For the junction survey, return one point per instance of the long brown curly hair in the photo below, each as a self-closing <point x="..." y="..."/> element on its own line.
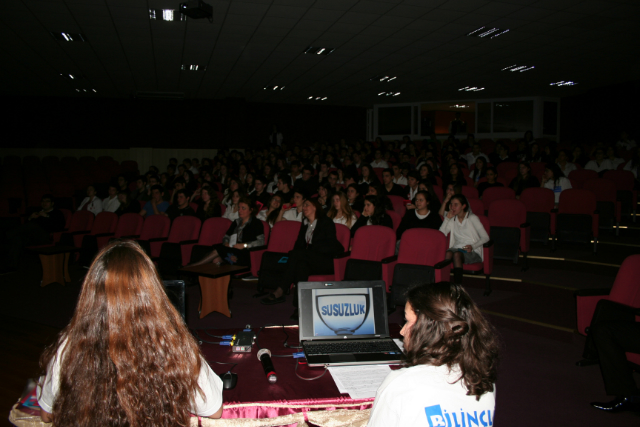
<point x="450" y="330"/>
<point x="128" y="358"/>
<point x="347" y="212"/>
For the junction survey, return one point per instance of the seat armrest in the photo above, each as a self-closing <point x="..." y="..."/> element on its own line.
<point x="488" y="244"/>
<point x="342" y="255"/>
<point x="443" y="264"/>
<point x="131" y="236"/>
<point x="389" y="259"/>
<point x="104" y="234"/>
<point x="258" y="248"/>
<point x="158" y="239"/>
<point x="76" y="233"/>
<point x="592" y="292"/>
<point x="188" y="242"/>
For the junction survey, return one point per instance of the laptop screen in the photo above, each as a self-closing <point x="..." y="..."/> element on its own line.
<point x="342" y="310"/>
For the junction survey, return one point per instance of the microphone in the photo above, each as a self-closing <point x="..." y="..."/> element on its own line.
<point x="264" y="356"/>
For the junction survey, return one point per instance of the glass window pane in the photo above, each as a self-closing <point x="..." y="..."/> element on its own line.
<point x="443" y="118"/>
<point x="512" y="116"/>
<point x="550" y="118"/>
<point x="484" y="117"/>
<point x="394" y="120"/>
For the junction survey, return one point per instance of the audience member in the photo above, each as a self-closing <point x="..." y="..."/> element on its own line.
<point x="127" y="204"/>
<point x="479" y="171"/>
<point x="388" y="187"/>
<point x="534" y="154"/>
<point x="92" y="202"/>
<point x="611" y="156"/>
<point x="294" y="212"/>
<point x="260" y="195"/>
<point x="524" y="179"/>
<point x="492" y="177"/>
<point x="632" y="165"/>
<point x="180" y="208"/>
<point x="500" y="154"/>
<point x="341" y="212"/>
<point x="600" y="163"/>
<point x="231" y="212"/>
<point x="625" y="143"/>
<point x="474" y="154"/>
<point x="398" y="177"/>
<point x="325" y="192"/>
<point x="419" y="215"/>
<point x="578" y="157"/>
<point x="564" y="164"/>
<point x="450" y="191"/>
<point x="284" y="189"/>
<point x="356" y="200"/>
<point x="208" y="204"/>
<point x="156" y="205"/>
<point x="271" y="213"/>
<point x="412" y="185"/>
<point x="306" y="184"/>
<point x="454" y="176"/>
<point x="111" y="203"/>
<point x="374" y="213"/>
<point x="378" y="161"/>
<point x="554" y="179"/>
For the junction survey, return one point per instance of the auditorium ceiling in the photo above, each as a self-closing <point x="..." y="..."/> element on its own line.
<point x="119" y="51"/>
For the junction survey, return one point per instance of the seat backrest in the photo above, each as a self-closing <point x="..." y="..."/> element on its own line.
<point x="604" y="189"/>
<point x="497" y="193"/>
<point x="503" y="167"/>
<point x="155" y="226"/>
<point x="67" y="217"/>
<point x="477" y="206"/>
<point x="185" y="228"/>
<point x="129" y="224"/>
<point x="469" y="192"/>
<point x="485" y="223"/>
<point x="398" y="205"/>
<point x="213" y="230"/>
<point x="579" y="176"/>
<point x="395" y="219"/>
<point x="507" y="213"/>
<point x="537" y="168"/>
<point x="283" y="236"/>
<point x="422" y="246"/>
<point x="81" y="220"/>
<point x="538" y="199"/>
<point x="373" y="243"/>
<point x="438" y="190"/>
<point x="577" y="201"/>
<point x="624" y="180"/>
<point x="626" y="288"/>
<point x="343" y="233"/>
<point x="105" y="222"/>
<point x="267" y="231"/>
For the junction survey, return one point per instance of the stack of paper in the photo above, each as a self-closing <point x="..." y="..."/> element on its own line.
<point x="360" y="382"/>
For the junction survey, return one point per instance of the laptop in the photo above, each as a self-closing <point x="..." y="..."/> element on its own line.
<point x="345" y="323"/>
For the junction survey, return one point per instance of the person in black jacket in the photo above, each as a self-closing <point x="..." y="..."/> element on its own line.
<point x="420" y="216"/>
<point x="374" y="213"/>
<point x="245" y="232"/>
<point x="524" y="179"/>
<point x="313" y="252"/>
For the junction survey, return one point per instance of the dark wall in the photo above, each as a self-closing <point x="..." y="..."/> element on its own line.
<point x="124" y="123"/>
<point x="601" y="114"/>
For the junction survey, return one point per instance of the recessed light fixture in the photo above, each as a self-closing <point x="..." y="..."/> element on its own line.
<point x="389" y="93"/>
<point x="381" y="78"/>
<point x="471" y="89"/>
<point x="459" y="106"/>
<point x="319" y="50"/>
<point x="86" y="91"/>
<point x="71" y="76"/>
<point x="69" y="37"/>
<point x="317" y="98"/>
<point x="193" y="67"/>
<point x="521" y="68"/>
<point x="563" y="83"/>
<point x="490" y="32"/>
<point x="166" y="15"/>
<point x="274" y="87"/>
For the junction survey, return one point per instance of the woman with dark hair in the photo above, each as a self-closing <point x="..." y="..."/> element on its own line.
<point x="420" y="216"/>
<point x="426" y="174"/>
<point x="466" y="235"/>
<point x="208" y="204"/>
<point x="578" y="157"/>
<point x="534" y="154"/>
<point x="367" y="177"/>
<point x="450" y="191"/>
<point x="234" y="184"/>
<point x="492" y="181"/>
<point x="126" y="358"/>
<point x="454" y="176"/>
<point x="451" y="363"/>
<point x="325" y="192"/>
<point x="127" y="204"/>
<point x="232" y="207"/>
<point x="554" y="180"/>
<point x="191" y="183"/>
<point x="354" y="197"/>
<point x="243" y="233"/>
<point x="313" y="252"/>
<point x="270" y="215"/>
<point x="374" y="213"/>
<point x="524" y="179"/>
<point x="479" y="171"/>
<point x="632" y="165"/>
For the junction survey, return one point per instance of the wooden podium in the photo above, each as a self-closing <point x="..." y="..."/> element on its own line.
<point x="55" y="263"/>
<point x="214" y="286"/>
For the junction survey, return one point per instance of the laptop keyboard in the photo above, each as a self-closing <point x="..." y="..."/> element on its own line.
<point x="373" y="346"/>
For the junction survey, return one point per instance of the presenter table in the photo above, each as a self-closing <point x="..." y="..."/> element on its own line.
<point x="214" y="286"/>
<point x="55" y="263"/>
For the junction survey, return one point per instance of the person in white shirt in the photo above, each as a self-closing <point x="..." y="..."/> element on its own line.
<point x="398" y="178"/>
<point x="599" y="164"/>
<point x="466" y="233"/>
<point x="378" y="161"/>
<point x="231" y="213"/>
<point x="553" y="179"/>
<point x="293" y="213"/>
<point x="473" y="155"/>
<point x="270" y="215"/>
<point x="91" y="203"/>
<point x="412" y="185"/>
<point x="111" y="203"/>
<point x="125" y="333"/>
<point x="632" y="165"/>
<point x="451" y="354"/>
<point x="564" y="164"/>
<point x="625" y="142"/>
<point x="340" y="211"/>
<point x="611" y="156"/>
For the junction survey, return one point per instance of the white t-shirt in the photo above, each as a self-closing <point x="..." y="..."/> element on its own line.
<point x="110" y="205"/>
<point x="205" y="406"/>
<point x="343" y="220"/>
<point x="605" y="165"/>
<point x="379" y="164"/>
<point x="428" y="396"/>
<point x="563" y="184"/>
<point x="471" y="158"/>
<point x="568" y="168"/>
<point x="293" y="215"/>
<point x="230" y="214"/>
<point x="400" y="181"/>
<point x="631" y="169"/>
<point x="94" y="206"/>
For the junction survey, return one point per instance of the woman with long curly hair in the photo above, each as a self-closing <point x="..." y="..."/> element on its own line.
<point x="451" y="359"/>
<point x="127" y="357"/>
<point x="341" y="212"/>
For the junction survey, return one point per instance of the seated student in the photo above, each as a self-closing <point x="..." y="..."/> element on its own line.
<point x="632" y="165"/>
<point x="284" y="188"/>
<point x="554" y="179"/>
<point x="325" y="192"/>
<point x="356" y="201"/>
<point x="412" y="187"/>
<point x="260" y="194"/>
<point x="293" y="213"/>
<point x="208" y="203"/>
<point x="140" y="192"/>
<point x="231" y="213"/>
<point x="450" y="191"/>
<point x="564" y="164"/>
<point x="92" y="202"/>
<point x="374" y="213"/>
<point x="454" y="176"/>
<point x="379" y="161"/>
<point x="367" y="177"/>
<point x="123" y="183"/>
<point x="313" y="252"/>
<point x="398" y="177"/>
<point x="178" y="184"/>
<point x="234" y="184"/>
<point x="341" y="212"/>
<point x="127" y="204"/>
<point x="600" y="163"/>
<point x="426" y="174"/>
<point x="611" y="156"/>
<point x="388" y="187"/>
<point x="492" y="175"/>
<point x="245" y="232"/>
<point x="111" y="203"/>
<point x="270" y="215"/>
<point x="479" y="171"/>
<point x="451" y="364"/>
<point x="466" y="235"/>
<point x="578" y="156"/>
<point x="125" y="343"/>
<point x="156" y="205"/>
<point x="534" y="154"/>
<point x="524" y="179"/>
<point x="419" y="215"/>
<point x="181" y="206"/>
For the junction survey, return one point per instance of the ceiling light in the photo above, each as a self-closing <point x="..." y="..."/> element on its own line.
<point x="389" y="93"/>
<point x="166" y="15"/>
<point x="274" y="87"/>
<point x="193" y="67"/>
<point x="483" y="32"/>
<point x="319" y="50"/>
<point x="459" y="106"/>
<point x="382" y="78"/>
<point x="471" y="89"/>
<point x="86" y="90"/>
<point x="71" y="76"/>
<point x="69" y="37"/>
<point x="318" y="98"/>
<point x="563" y="83"/>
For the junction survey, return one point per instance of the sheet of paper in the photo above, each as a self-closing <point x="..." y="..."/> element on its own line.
<point x="361" y="382"/>
<point x="233" y="240"/>
<point x="399" y="343"/>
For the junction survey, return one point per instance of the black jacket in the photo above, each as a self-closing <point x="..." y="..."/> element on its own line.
<point x="250" y="232"/>
<point x="324" y="240"/>
<point x="396" y="190"/>
<point x="410" y="220"/>
<point x="362" y="221"/>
